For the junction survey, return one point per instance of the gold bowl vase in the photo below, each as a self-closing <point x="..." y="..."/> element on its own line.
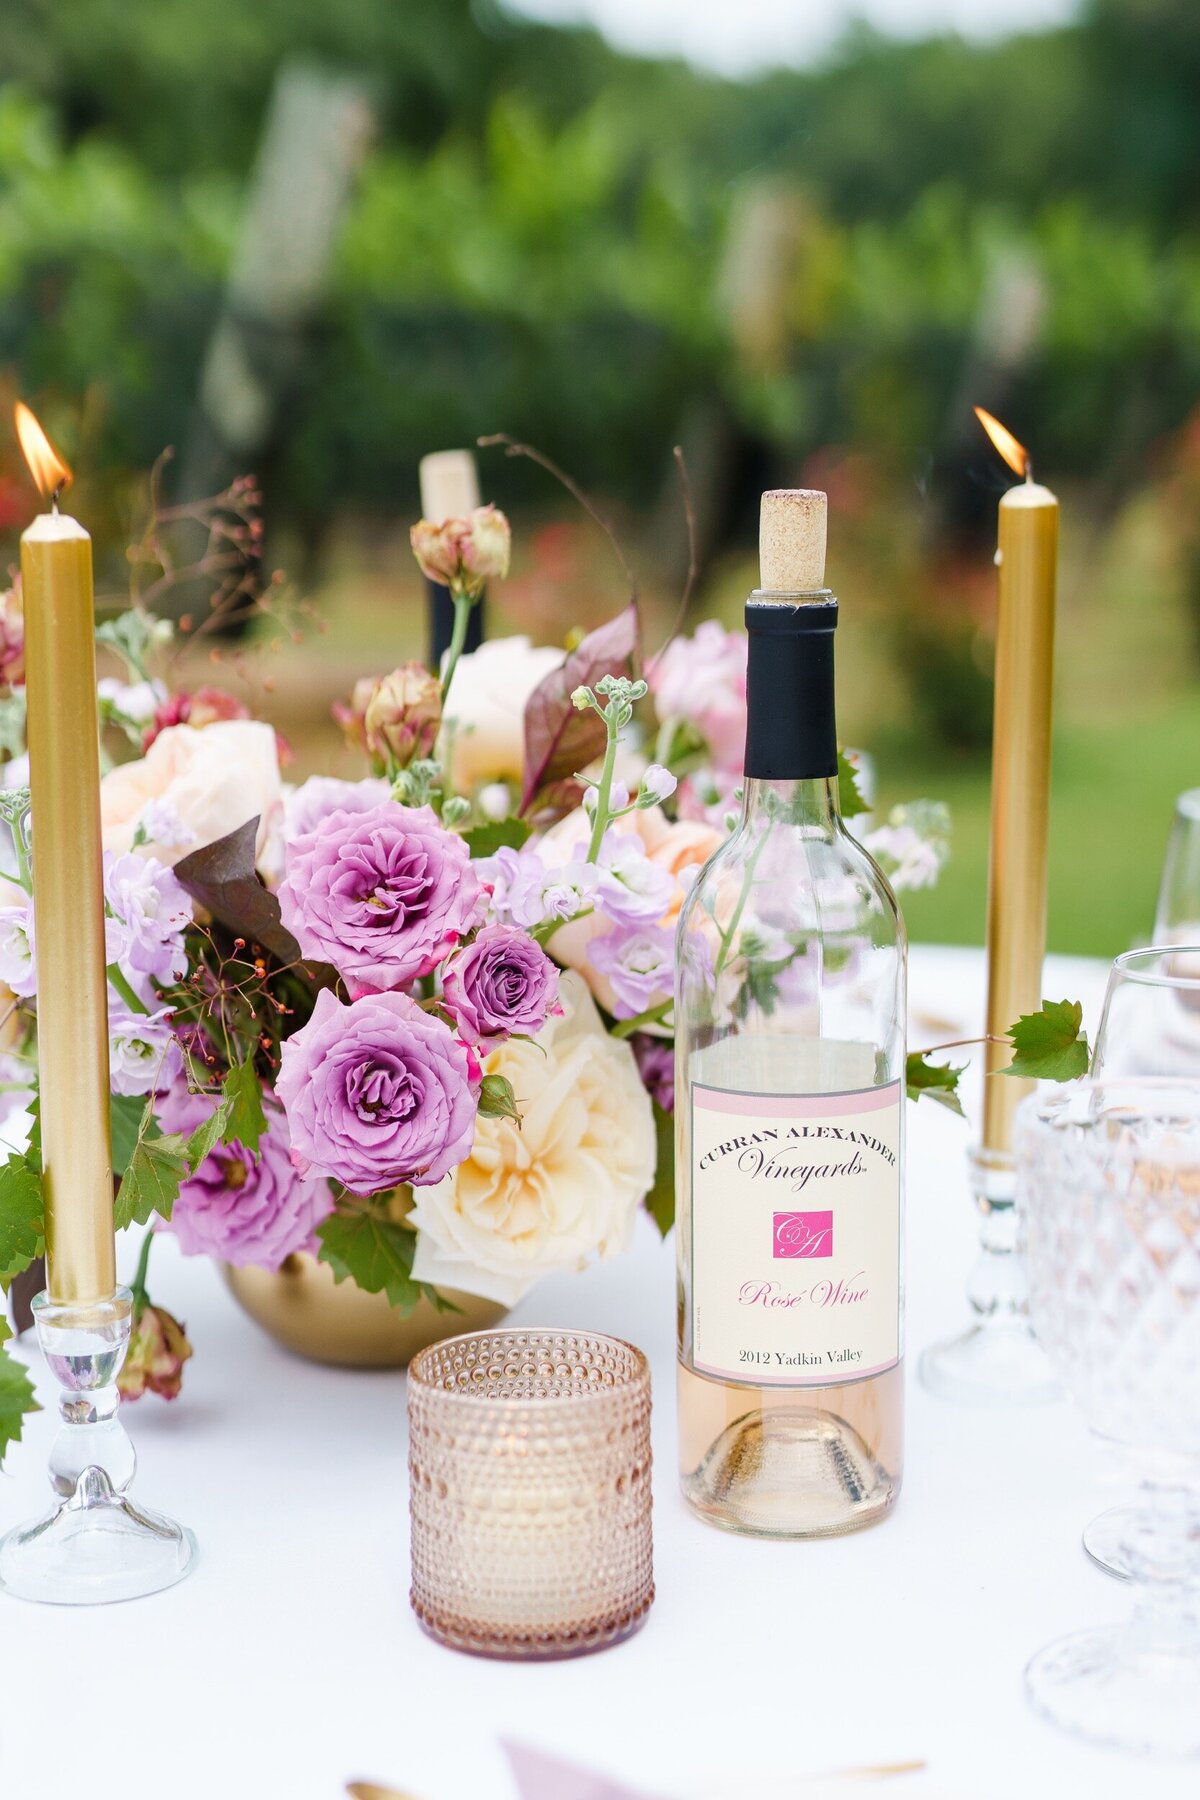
<point x="304" y="1309"/>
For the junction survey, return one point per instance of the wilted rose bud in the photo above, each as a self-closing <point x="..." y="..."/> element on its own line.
<point x="464" y="554"/>
<point x="12" y="637"/>
<point x="403" y="716"/>
<point x="158" y="1349"/>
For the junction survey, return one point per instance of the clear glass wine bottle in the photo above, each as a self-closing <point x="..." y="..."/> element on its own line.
<point x="790" y="1045"/>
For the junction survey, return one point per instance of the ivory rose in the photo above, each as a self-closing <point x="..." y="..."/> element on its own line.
<point x="487" y="702"/>
<point x="564" y="1185"/>
<point x="209" y="781"/>
<point x="677" y="848"/>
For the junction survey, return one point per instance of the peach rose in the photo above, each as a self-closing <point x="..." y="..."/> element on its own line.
<point x="194" y="786"/>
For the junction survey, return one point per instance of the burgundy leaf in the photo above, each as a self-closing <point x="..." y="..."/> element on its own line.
<point x="223" y="879"/>
<point x="558" y="740"/>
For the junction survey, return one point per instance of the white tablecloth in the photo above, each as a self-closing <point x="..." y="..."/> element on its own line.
<point x="289" y="1661"/>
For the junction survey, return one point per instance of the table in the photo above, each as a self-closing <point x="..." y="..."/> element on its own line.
<point x="290" y="1662"/>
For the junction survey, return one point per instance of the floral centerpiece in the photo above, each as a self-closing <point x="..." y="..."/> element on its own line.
<point x="416" y="1023"/>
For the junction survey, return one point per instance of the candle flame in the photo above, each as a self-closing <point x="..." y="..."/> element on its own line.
<point x="1014" y="454"/>
<point x="45" y="464"/>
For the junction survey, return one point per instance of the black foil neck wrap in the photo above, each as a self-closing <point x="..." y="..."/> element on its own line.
<point x="791" y="727"/>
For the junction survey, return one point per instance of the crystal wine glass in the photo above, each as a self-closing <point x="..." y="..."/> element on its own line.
<point x="1177" y="919"/>
<point x="1109" y="1198"/>
<point x="1150" y="1026"/>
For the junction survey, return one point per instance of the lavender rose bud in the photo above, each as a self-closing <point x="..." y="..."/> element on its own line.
<point x="377" y="1093"/>
<point x="242" y="1208"/>
<point x="384" y="895"/>
<point x="500" y="984"/>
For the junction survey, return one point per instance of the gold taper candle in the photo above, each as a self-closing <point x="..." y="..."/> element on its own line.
<point x="72" y="995"/>
<point x="1027" y="559"/>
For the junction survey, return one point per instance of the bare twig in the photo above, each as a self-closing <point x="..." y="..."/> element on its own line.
<point x="693" y="568"/>
<point x="513" y="448"/>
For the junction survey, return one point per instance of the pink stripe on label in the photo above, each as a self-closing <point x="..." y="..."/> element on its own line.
<point x="795" y="1106"/>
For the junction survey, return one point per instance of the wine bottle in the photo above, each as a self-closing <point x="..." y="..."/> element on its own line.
<point x="790" y="1046"/>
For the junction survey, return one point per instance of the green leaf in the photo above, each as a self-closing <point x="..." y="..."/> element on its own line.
<point x="660" y="1201"/>
<point x="208" y="1133"/>
<point x="504" y="834"/>
<point x="497" y="1100"/>
<point x="21" y="1221"/>
<point x="245" y="1120"/>
<point x="16" y="1394"/>
<point x="374" y="1252"/>
<point x="132" y="1119"/>
<point x="1049" y="1045"/>
<point x="938" y="1081"/>
<point x="151" y="1182"/>
<point x="850" y="800"/>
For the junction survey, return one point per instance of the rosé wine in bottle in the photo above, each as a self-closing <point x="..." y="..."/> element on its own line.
<point x="789" y="1107"/>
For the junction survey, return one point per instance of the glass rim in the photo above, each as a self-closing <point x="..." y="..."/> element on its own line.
<point x="1127" y="964"/>
<point x="639" y="1375"/>
<point x="1045" y="1106"/>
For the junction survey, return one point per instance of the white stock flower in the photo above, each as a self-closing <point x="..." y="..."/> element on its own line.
<point x="136" y="701"/>
<point x="18" y="960"/>
<point x="564" y="1186"/>
<point x="212" y="779"/>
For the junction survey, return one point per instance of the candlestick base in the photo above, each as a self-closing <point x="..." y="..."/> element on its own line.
<point x="95" y="1545"/>
<point x="996" y="1361"/>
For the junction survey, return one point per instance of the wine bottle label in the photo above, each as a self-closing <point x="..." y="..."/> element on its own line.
<point x="795" y="1235"/>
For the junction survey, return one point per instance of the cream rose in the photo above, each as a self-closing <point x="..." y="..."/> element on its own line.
<point x="487" y="701"/>
<point x="565" y="1185"/>
<point x="674" y="846"/>
<point x="201" y="783"/>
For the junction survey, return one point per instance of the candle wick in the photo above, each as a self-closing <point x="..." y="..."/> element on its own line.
<point x="54" y="498"/>
<point x="1028" y="470"/>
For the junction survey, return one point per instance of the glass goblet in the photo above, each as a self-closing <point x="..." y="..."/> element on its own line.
<point x="1177" y="918"/>
<point x="1109" y="1198"/>
<point x="1150" y="1026"/>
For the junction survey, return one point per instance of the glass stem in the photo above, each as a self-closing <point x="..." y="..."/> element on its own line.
<point x="1162" y="1549"/>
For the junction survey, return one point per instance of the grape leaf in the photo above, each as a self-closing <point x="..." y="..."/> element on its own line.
<point x="1049" y="1045"/>
<point x="245" y="1120"/>
<point x="660" y="1201"/>
<point x="208" y="1133"/>
<point x="132" y="1119"/>
<point x="223" y="878"/>
<point x="939" y="1081"/>
<point x="366" y="1247"/>
<point x="850" y="800"/>
<point x="559" y="741"/>
<point x="151" y="1182"/>
<point x="21" y="1221"/>
<point x="503" y="834"/>
<point x="16" y="1394"/>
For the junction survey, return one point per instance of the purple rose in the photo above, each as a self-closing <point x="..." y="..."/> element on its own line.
<point x="321" y="795"/>
<point x="656" y="1066"/>
<point x="377" y="1093"/>
<point x="239" y="1207"/>
<point x="500" y="984"/>
<point x="383" y="895"/>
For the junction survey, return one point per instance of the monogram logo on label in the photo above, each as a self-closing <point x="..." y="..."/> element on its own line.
<point x="803" y="1234"/>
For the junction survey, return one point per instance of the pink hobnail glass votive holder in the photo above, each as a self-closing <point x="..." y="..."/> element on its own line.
<point x="529" y="1463"/>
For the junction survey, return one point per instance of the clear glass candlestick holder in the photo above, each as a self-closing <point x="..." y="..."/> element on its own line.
<point x="94" y="1545"/>
<point x="529" y="1457"/>
<point x="996" y="1361"/>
